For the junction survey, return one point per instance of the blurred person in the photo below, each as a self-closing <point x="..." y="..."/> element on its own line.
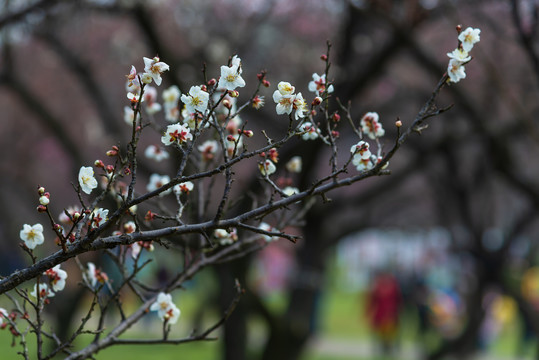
<point x="382" y="308"/>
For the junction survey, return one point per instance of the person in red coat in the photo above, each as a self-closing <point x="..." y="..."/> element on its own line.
<point x="383" y="307"/>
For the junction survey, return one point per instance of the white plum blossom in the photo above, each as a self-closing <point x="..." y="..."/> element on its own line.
<point x="318" y="84"/>
<point x="129" y="115"/>
<point x="176" y="134"/>
<point x="309" y="131"/>
<point x="459" y="55"/>
<point x="3" y="315"/>
<point x="208" y="149"/>
<point x="183" y="188"/>
<point x="236" y="61"/>
<point x="370" y="125"/>
<point x="197" y="100"/>
<point x="300" y="105"/>
<point x="230" y="78"/>
<point x="225" y="237"/>
<point x="32" y="235"/>
<point x="171" y="96"/>
<point x="154" y="67"/>
<point x="156" y="181"/>
<point x="362" y="156"/>
<point x="294" y="164"/>
<point x="455" y="71"/>
<point x="290" y="190"/>
<point x="166" y="309"/>
<point x="267" y="227"/>
<point x="150" y="96"/>
<point x="44" y="291"/>
<point x="57" y="278"/>
<point x="87" y="180"/>
<point x="267" y="167"/>
<point x="469" y="37"/>
<point x="98" y="217"/>
<point x="156" y="153"/>
<point x="284" y="98"/>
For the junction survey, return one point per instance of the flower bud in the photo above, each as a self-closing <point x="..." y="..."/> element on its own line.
<point x="71" y="238"/>
<point x="336" y="117"/>
<point x="248" y="133"/>
<point x="398" y="123"/>
<point x="459" y="29"/>
<point x="109" y="169"/>
<point x="260" y="76"/>
<point x="127" y="171"/>
<point x="230" y="138"/>
<point x="212" y="82"/>
<point x="76" y="215"/>
<point x="57" y="228"/>
<point x="112" y="153"/>
<point x="41" y="208"/>
<point x="227" y="104"/>
<point x="266" y="83"/>
<point x="323" y="57"/>
<point x="317" y="101"/>
<point x="44" y="200"/>
<point x="99" y="164"/>
<point x="335" y="134"/>
<point x="41" y="190"/>
<point x="204" y="88"/>
<point x="234" y="93"/>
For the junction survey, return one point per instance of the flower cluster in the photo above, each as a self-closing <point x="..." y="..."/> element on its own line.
<point x="362" y="156"/>
<point x="287" y="101"/>
<point x="370" y="125"/>
<point x="226" y="237"/>
<point x="166" y="309"/>
<point x="318" y="85"/>
<point x="460" y="56"/>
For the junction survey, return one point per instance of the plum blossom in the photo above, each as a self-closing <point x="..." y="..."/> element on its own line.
<point x="129" y="115"/>
<point x="290" y="190"/>
<point x="258" y="102"/>
<point x="197" y="100"/>
<point x="32" y="235"/>
<point x="87" y="180"/>
<point x="267" y="167"/>
<point x="156" y="153"/>
<point x="154" y="67"/>
<point x="230" y="78"/>
<point x="208" y="149"/>
<point x="150" y="95"/>
<point x="371" y="126"/>
<point x="318" y="84"/>
<point x="225" y="237"/>
<point x="284" y="98"/>
<point x="98" y="217"/>
<point x="267" y="227"/>
<point x="183" y="188"/>
<point x="362" y="156"/>
<point x="171" y="96"/>
<point x="455" y="70"/>
<point x="166" y="309"/>
<point x="309" y="132"/>
<point x="176" y="133"/>
<point x="300" y="105"/>
<point x="93" y="275"/>
<point x="157" y="181"/>
<point x="57" y="278"/>
<point x="469" y="37"/>
<point x="459" y="55"/>
<point x="44" y="291"/>
<point x="3" y="315"/>
<point x="294" y="164"/>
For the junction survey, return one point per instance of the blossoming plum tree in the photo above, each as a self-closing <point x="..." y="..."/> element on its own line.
<point x="209" y="140"/>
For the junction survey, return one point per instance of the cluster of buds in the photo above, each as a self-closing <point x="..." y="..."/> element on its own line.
<point x="44" y="199"/>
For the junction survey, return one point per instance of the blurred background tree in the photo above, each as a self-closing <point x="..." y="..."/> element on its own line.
<point x="471" y="173"/>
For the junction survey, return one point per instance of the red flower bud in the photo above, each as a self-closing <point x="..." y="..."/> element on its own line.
<point x="324" y="57"/>
<point x="212" y="82"/>
<point x="109" y="169"/>
<point x="99" y="164"/>
<point x="41" y="208"/>
<point x="266" y="83"/>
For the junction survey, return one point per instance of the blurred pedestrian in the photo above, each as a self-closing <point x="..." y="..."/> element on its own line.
<point x="383" y="307"/>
